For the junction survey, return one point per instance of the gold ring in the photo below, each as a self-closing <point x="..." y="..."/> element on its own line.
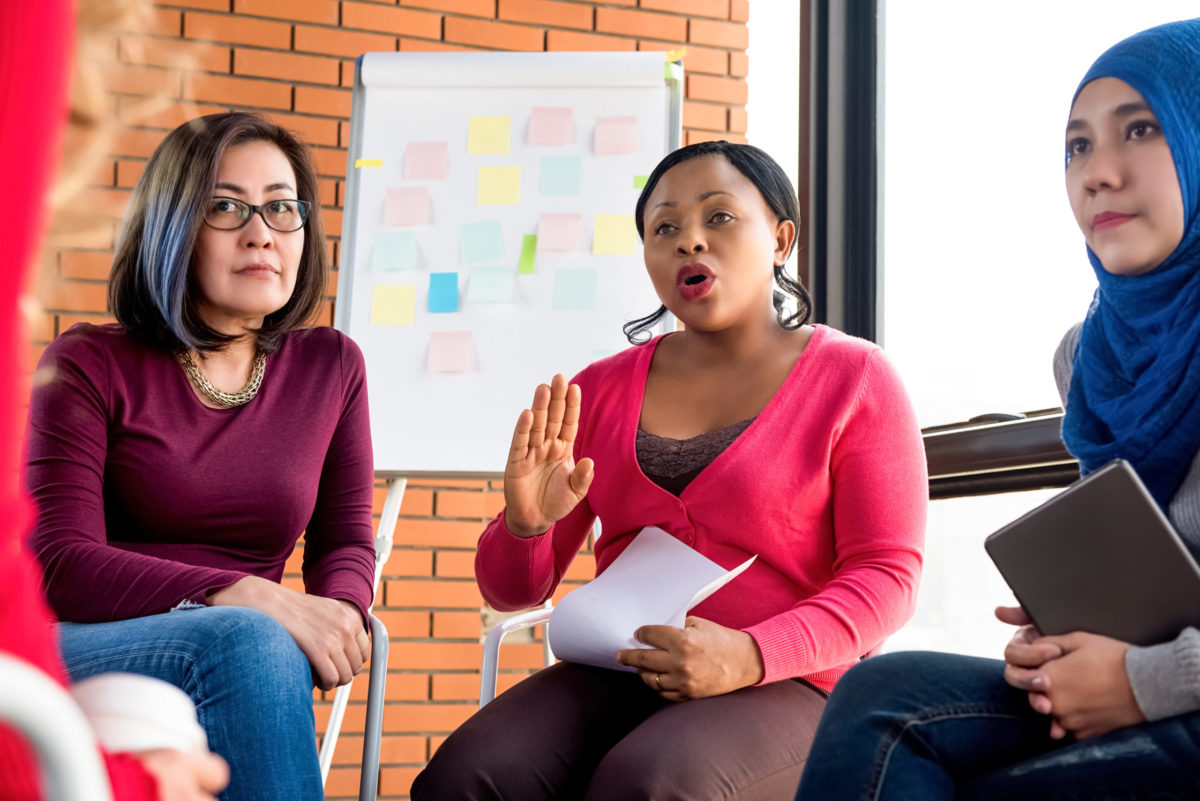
<point x="658" y="681"/>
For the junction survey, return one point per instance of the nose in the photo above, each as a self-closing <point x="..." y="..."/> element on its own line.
<point x="256" y="233"/>
<point x="691" y="239"/>
<point x="1104" y="169"/>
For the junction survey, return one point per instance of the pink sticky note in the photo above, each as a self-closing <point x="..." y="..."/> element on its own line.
<point x="407" y="205"/>
<point x="560" y="232"/>
<point x="616" y="135"/>
<point x="551" y="126"/>
<point x="451" y="352"/>
<point x="426" y="161"/>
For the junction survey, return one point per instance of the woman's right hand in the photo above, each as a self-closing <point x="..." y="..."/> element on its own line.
<point x="1024" y="657"/>
<point x="542" y="482"/>
<point x="329" y="632"/>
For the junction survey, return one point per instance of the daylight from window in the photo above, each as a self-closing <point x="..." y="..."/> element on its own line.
<point x="983" y="266"/>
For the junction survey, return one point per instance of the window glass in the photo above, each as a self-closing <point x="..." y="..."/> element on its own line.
<point x="984" y="268"/>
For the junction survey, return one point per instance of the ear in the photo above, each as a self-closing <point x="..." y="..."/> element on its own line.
<point x="785" y="235"/>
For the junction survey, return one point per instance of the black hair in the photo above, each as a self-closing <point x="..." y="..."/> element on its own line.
<point x="776" y="190"/>
<point x="150" y="291"/>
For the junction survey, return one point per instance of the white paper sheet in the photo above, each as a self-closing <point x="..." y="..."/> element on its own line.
<point x="655" y="581"/>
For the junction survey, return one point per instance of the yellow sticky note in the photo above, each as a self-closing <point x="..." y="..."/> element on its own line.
<point x="499" y="186"/>
<point x="488" y="136"/>
<point x="393" y="304"/>
<point x="368" y="163"/>
<point x="615" y="235"/>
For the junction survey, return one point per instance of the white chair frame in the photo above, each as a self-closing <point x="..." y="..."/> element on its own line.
<point x="368" y="785"/>
<point x="69" y="758"/>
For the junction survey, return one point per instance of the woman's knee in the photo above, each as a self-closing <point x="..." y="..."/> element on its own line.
<point x="251" y="646"/>
<point x="471" y="767"/>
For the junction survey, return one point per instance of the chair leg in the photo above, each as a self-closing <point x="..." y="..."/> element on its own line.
<point x="368" y="785"/>
<point x="330" y="738"/>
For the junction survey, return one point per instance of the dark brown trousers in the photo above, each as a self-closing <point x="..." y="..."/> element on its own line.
<point x="574" y="732"/>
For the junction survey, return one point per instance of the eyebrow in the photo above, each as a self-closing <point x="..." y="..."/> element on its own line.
<point x="1123" y="110"/>
<point x="269" y="188"/>
<point x="702" y="196"/>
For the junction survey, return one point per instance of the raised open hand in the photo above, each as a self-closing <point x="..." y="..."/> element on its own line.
<point x="542" y="482"/>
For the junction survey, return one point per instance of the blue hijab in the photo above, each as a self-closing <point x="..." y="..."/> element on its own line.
<point x="1135" y="389"/>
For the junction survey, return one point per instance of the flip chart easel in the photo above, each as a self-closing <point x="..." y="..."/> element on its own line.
<point x="487" y="238"/>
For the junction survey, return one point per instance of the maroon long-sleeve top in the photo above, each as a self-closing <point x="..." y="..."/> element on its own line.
<point x="147" y="498"/>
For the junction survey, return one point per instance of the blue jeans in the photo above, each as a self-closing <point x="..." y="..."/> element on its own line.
<point x="926" y="726"/>
<point x="251" y="684"/>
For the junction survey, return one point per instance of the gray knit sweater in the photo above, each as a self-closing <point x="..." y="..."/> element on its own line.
<point x="1166" y="677"/>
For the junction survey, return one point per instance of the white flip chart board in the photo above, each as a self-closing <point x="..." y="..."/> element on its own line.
<point x="488" y="238"/>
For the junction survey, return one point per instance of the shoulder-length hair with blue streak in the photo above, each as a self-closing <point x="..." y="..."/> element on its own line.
<point x="150" y="290"/>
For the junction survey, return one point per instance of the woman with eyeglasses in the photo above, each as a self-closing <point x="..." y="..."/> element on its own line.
<point x="177" y="455"/>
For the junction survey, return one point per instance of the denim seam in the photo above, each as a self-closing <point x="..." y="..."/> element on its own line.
<point x="885" y="755"/>
<point x="125" y="657"/>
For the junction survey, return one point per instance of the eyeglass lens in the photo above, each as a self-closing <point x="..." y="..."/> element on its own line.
<point x="228" y="214"/>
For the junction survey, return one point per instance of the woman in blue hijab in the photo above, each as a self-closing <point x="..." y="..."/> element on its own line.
<point x="1080" y="715"/>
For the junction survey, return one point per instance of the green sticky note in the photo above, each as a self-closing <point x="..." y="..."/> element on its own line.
<point x="393" y="305"/>
<point x="488" y="136"/>
<point x="575" y="290"/>
<point x="561" y="175"/>
<point x="491" y="285"/>
<point x="639" y="181"/>
<point x="480" y="242"/>
<point x="499" y="186"/>
<point x="528" y="254"/>
<point x="615" y="235"/>
<point x="393" y="251"/>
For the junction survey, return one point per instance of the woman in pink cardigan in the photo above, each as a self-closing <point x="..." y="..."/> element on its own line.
<point x="747" y="433"/>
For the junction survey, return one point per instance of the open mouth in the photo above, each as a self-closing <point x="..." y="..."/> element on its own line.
<point x="693" y="280"/>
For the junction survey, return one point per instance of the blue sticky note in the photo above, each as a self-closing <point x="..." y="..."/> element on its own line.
<point x="491" y="284"/>
<point x="394" y="251"/>
<point x="575" y="290"/>
<point x="443" y="293"/>
<point x="561" y="175"/>
<point x="480" y="242"/>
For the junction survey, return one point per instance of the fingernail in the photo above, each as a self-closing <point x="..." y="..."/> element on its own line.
<point x="1037" y="682"/>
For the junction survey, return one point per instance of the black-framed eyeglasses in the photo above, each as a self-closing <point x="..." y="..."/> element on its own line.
<point x="230" y="214"/>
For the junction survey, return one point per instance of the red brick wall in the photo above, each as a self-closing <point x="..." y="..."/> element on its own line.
<point x="294" y="60"/>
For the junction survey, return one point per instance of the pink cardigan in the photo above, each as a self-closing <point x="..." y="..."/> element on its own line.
<point x="827" y="486"/>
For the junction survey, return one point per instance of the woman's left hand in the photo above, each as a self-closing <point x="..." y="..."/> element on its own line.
<point x="1087" y="687"/>
<point x="697" y="661"/>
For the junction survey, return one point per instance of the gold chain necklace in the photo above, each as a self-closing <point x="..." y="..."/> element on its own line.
<point x="220" y="399"/>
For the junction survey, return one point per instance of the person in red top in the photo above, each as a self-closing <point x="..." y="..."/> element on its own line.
<point x="747" y="433"/>
<point x="35" y="44"/>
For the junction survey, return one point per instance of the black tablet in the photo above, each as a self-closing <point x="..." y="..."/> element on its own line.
<point x="1101" y="557"/>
